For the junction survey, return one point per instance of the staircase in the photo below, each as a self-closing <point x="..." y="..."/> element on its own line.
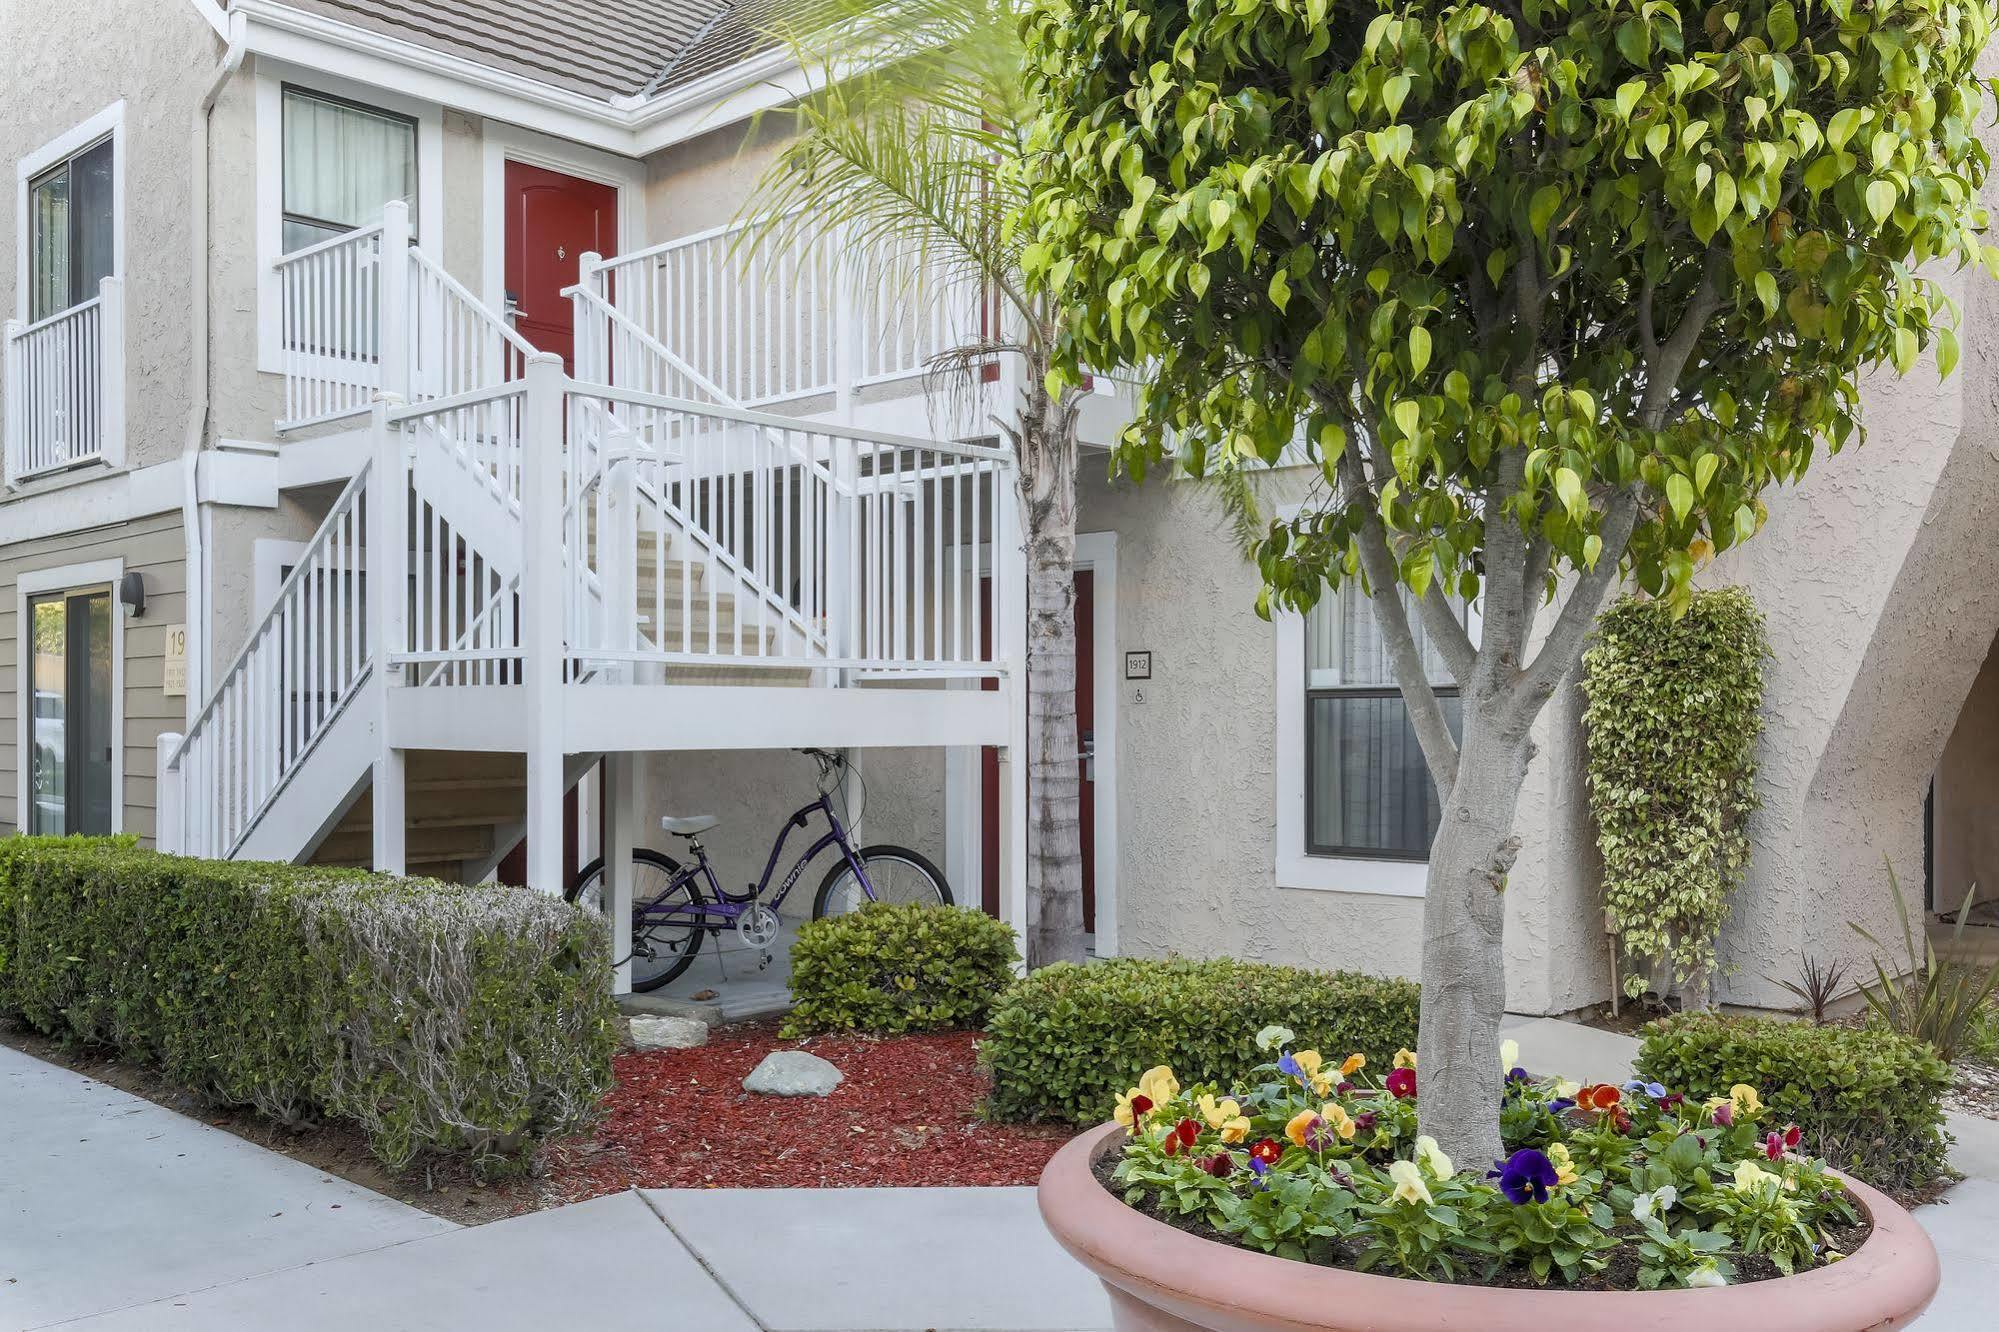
<point x="516" y="536"/>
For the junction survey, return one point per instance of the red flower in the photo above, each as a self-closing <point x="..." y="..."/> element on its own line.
<point x="1599" y="1096"/>
<point x="1219" y="1165"/>
<point x="1267" y="1151"/>
<point x="1141" y="1106"/>
<point x="1171" y="1144"/>
<point x="1621" y="1121"/>
<point x="1186" y="1131"/>
<point x="1773" y="1146"/>
<point x="1401" y="1083"/>
<point x="1792" y="1137"/>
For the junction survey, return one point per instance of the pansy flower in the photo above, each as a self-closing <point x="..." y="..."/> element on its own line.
<point x="1745" y="1099"/>
<point x="1433" y="1158"/>
<point x="1299" y="1130"/>
<point x="1132" y="1106"/>
<point x="1722" y="1111"/>
<point x="1599" y="1096"/>
<point x="1409" y="1186"/>
<point x="1159" y="1084"/>
<point x="1338" y="1120"/>
<point x="1265" y="1151"/>
<point x="1773" y="1146"/>
<point x="1221" y="1165"/>
<point x="1401" y="1082"/>
<point x="1565" y="1165"/>
<point x="1405" y="1058"/>
<point x="1656" y="1203"/>
<point x="1525" y="1176"/>
<point x="1655" y="1090"/>
<point x="1225" y="1117"/>
<point x="1509" y="1055"/>
<point x="1749" y="1176"/>
<point x="1705" y="1276"/>
<point x="1352" y="1064"/>
<point x="1274" y="1037"/>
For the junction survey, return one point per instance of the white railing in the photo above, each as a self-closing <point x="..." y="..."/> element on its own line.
<point x="330" y="327"/>
<point x="301" y="667"/>
<point x="64" y="389"/>
<point x="440" y="342"/>
<point x="865" y="541"/>
<point x="769" y="325"/>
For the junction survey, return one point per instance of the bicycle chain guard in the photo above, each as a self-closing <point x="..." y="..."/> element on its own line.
<point x="757" y="926"/>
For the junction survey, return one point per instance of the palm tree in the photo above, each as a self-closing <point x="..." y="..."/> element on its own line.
<point x="911" y="147"/>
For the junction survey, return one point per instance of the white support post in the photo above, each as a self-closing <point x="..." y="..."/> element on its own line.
<point x="387" y="526"/>
<point x="169" y="799"/>
<point x="848" y="335"/>
<point x="111" y="374"/>
<point x="592" y="360"/>
<point x="1009" y="618"/>
<point x="396" y="331"/>
<point x="542" y="577"/>
<point x="621" y="830"/>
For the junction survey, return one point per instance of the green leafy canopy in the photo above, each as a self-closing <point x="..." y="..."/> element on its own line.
<point x="1607" y="267"/>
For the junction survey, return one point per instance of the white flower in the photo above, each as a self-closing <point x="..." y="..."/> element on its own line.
<point x="1656" y="1203"/>
<point x="1274" y="1037"/>
<point x="1705" y="1275"/>
<point x="1509" y="1056"/>
<point x="1432" y="1156"/>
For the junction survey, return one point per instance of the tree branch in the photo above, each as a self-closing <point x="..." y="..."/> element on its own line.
<point x="1426" y="715"/>
<point x="1662" y="369"/>
<point x="1446" y="631"/>
<point x="1579" y="613"/>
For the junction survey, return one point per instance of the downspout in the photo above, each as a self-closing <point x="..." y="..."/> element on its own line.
<point x="198" y="375"/>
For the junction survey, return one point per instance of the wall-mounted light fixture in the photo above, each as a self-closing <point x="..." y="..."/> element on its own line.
<point x="132" y="594"/>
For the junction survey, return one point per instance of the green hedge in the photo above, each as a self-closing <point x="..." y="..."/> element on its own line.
<point x="434" y="1016"/>
<point x="1063" y="1043"/>
<point x="1868" y="1100"/>
<point x="888" y="969"/>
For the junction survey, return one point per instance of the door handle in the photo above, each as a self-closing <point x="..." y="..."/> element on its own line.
<point x="1089" y="758"/>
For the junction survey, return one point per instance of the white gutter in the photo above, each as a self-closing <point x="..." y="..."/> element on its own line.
<point x="198" y="374"/>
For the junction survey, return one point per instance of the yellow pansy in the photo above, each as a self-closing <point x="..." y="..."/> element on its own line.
<point x="1432" y="1156"/>
<point x="1125" y="1114"/>
<point x="1352" y="1064"/>
<point x="1225" y="1116"/>
<point x="1565" y="1166"/>
<point x="1405" y="1058"/>
<point x="1747" y="1102"/>
<point x="1509" y="1056"/>
<point x="1749" y="1176"/>
<point x="1409" y="1186"/>
<point x="1309" y="1062"/>
<point x="1339" y="1120"/>
<point x="1301" y="1125"/>
<point x="1566" y="1090"/>
<point x="1235" y="1130"/>
<point x="1160" y="1084"/>
<point x="1322" y="1084"/>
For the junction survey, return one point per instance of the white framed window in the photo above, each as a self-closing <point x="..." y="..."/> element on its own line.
<point x="71" y="703"/>
<point x="70" y="209"/>
<point x="331" y="154"/>
<point x="1357" y="809"/>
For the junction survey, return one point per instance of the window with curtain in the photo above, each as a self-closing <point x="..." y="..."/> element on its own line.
<point x="343" y="164"/>
<point x="70" y="237"/>
<point x="1368" y="793"/>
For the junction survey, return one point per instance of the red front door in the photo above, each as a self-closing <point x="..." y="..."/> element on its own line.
<point x="1086" y="724"/>
<point x="552" y="220"/>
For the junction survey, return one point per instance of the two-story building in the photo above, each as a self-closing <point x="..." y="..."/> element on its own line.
<point x="405" y="466"/>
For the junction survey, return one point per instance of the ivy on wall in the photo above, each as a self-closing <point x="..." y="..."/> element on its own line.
<point x="1674" y="711"/>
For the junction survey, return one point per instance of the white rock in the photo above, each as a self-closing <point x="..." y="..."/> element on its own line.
<point x="668" y="1033"/>
<point x="792" y="1073"/>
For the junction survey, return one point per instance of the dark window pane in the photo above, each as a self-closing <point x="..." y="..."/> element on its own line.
<point x="1367" y="787"/>
<point x="90" y="222"/>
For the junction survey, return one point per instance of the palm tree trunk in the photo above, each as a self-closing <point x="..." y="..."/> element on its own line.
<point x="1047" y="449"/>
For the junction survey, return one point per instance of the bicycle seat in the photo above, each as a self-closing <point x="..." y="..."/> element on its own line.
<point x="700" y="823"/>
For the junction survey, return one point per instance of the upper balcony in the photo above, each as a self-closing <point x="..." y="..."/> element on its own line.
<point x="64" y="393"/>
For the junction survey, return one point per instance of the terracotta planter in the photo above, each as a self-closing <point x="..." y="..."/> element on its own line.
<point x="1164" y="1280"/>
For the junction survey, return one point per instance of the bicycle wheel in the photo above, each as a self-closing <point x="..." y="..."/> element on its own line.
<point x="661" y="949"/>
<point x="898" y="875"/>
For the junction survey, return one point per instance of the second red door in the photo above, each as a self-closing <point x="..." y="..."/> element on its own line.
<point x="552" y="221"/>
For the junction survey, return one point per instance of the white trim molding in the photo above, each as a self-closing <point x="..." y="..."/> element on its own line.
<point x="426" y="222"/>
<point x="40" y="582"/>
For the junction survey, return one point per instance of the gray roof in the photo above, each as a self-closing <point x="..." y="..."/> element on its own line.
<point x="600" y="48"/>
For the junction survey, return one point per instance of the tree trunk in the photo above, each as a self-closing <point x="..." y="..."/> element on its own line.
<point x="1054" y="831"/>
<point x="1464" y="957"/>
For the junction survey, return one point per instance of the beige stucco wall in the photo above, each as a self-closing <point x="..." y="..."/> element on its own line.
<point x="99" y="52"/>
<point x="152" y="547"/>
<point x="703" y="182"/>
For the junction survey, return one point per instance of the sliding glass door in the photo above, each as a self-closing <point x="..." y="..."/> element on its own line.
<point x="69" y="719"/>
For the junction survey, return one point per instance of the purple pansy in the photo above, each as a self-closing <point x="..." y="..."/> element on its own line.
<point x="1290" y="1067"/>
<point x="1656" y="1091"/>
<point x="1525" y="1175"/>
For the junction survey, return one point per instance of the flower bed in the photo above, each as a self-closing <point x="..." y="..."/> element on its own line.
<point x="1603" y="1187"/>
<point x="906" y="1114"/>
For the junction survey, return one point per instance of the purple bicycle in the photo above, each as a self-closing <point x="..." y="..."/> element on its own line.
<point x="671" y="912"/>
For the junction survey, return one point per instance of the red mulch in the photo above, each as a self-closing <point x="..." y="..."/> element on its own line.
<point x="907" y="1114"/>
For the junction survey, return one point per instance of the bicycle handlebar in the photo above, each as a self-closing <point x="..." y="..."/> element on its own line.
<point x="829" y="759"/>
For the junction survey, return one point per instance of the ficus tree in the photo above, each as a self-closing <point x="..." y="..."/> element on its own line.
<point x="912" y="147"/>
<point x="1555" y="293"/>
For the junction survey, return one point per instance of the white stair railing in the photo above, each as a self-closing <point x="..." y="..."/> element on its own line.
<point x="304" y="662"/>
<point x="64" y="387"/>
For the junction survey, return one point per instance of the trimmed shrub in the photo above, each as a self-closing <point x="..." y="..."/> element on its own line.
<point x="1063" y="1043"/>
<point x="888" y="969"/>
<point x="436" y="1017"/>
<point x="1868" y="1101"/>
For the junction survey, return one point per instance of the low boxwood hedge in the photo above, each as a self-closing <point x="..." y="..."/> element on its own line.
<point x="436" y="1017"/>
<point x="1061" y="1044"/>
<point x="1868" y="1100"/>
<point x="887" y="969"/>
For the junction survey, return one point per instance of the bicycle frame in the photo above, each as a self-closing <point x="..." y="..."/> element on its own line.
<point x="724" y="908"/>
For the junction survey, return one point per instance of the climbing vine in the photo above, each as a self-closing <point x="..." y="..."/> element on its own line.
<point x="1675" y="708"/>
